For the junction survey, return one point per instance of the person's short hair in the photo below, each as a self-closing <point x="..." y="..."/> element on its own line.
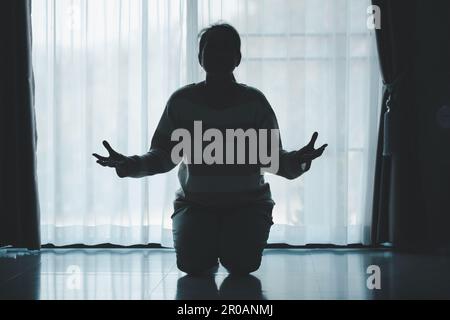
<point x="224" y="28"/>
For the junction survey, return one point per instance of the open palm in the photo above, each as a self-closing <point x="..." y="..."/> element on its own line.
<point x="114" y="160"/>
<point x="309" y="153"/>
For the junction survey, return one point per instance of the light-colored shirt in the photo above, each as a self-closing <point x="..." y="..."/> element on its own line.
<point x="236" y="107"/>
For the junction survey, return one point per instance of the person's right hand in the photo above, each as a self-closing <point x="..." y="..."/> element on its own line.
<point x="115" y="160"/>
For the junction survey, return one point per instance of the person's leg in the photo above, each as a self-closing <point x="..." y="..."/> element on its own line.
<point x="195" y="236"/>
<point x="243" y="237"/>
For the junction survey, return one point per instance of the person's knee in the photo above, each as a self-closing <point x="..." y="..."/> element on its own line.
<point x="241" y="266"/>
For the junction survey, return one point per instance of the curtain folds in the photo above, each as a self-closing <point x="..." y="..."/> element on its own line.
<point x="395" y="175"/>
<point x="19" y="205"/>
<point x="106" y="68"/>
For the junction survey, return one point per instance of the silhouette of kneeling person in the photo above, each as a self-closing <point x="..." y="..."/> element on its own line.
<point x="223" y="211"/>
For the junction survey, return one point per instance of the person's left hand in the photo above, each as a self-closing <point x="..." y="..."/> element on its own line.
<point x="308" y="153"/>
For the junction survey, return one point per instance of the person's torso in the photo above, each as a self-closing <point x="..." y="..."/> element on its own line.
<point x="221" y="170"/>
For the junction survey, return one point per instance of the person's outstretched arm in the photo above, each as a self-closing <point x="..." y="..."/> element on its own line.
<point x="291" y="164"/>
<point x="157" y="160"/>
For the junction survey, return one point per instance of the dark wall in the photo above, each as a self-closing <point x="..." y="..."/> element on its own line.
<point x="432" y="92"/>
<point x="420" y="203"/>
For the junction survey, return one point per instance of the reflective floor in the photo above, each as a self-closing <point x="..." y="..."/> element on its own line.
<point x="284" y="274"/>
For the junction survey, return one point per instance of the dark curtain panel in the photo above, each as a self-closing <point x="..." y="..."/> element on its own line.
<point x="19" y="207"/>
<point x="394" y="41"/>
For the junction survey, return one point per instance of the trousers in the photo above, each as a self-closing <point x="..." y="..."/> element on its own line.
<point x="235" y="237"/>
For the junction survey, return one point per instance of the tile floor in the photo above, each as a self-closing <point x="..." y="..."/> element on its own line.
<point x="284" y="274"/>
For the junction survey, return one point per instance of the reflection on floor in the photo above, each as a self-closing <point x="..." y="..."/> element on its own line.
<point x="284" y="274"/>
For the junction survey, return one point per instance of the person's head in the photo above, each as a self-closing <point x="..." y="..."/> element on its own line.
<point x="219" y="48"/>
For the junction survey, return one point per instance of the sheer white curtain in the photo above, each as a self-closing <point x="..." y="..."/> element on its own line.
<point x="105" y="68"/>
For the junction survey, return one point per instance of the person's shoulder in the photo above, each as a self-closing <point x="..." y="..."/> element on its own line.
<point x="187" y="92"/>
<point x="256" y="96"/>
<point x="251" y="92"/>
